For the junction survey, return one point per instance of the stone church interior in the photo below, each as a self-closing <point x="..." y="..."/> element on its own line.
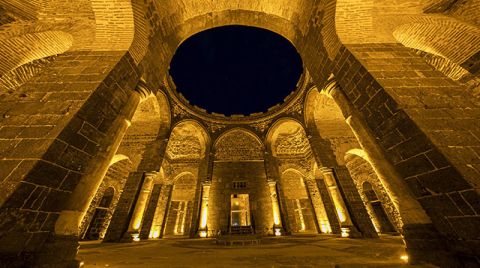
<point x="239" y="133"/>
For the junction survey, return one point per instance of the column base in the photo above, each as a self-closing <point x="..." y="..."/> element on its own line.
<point x="59" y="252"/>
<point x="129" y="237"/>
<point x="425" y="245"/>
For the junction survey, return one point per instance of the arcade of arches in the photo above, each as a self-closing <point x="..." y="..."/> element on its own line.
<point x="380" y="136"/>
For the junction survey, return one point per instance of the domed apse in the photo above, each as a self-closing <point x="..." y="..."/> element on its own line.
<point x="236" y="69"/>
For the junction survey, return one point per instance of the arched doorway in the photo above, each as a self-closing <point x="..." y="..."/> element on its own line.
<point x="384" y="224"/>
<point x="96" y="225"/>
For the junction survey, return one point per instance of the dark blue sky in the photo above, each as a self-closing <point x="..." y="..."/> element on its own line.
<point x="236" y="69"/>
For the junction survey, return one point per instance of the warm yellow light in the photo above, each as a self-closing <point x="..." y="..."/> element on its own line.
<point x="203" y="222"/>
<point x="341" y="215"/>
<point x="202" y="234"/>
<point x="325" y="227"/>
<point x="154" y="234"/>
<point x="345" y="232"/>
<point x="136" y="237"/>
<point x="276" y="218"/>
<point x="404" y="257"/>
<point x="278" y="231"/>
<point x="136" y="224"/>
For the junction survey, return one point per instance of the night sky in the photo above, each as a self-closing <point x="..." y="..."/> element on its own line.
<point x="236" y="69"/>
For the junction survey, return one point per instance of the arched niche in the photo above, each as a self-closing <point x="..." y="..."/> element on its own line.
<point x="382" y="211"/>
<point x="181" y="208"/>
<point x="188" y="141"/>
<point x="287" y="139"/>
<point x="299" y="209"/>
<point x="97" y="219"/>
<point x="238" y="177"/>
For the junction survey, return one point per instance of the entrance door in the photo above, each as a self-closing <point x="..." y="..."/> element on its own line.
<point x="239" y="210"/>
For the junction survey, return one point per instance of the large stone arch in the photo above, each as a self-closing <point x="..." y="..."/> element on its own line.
<point x="361" y="170"/>
<point x="325" y="121"/>
<point x="361" y="70"/>
<point x="181" y="211"/>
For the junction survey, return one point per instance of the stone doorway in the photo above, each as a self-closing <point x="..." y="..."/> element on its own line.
<point x="240" y="217"/>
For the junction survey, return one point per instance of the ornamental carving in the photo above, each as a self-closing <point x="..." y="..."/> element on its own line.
<point x="262" y="126"/>
<point x="238" y="145"/>
<point x="294" y="144"/>
<point x="178" y="111"/>
<point x="213" y="127"/>
<point x="296" y="107"/>
<point x="185" y="143"/>
<point x="184" y="148"/>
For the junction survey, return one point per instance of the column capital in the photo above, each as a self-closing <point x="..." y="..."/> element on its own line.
<point x="271" y="182"/>
<point x="330" y="87"/>
<point x="207" y="183"/>
<point x="150" y="174"/>
<point x="326" y="170"/>
<point x="143" y="89"/>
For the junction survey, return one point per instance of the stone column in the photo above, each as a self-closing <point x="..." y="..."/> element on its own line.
<point x="138" y="212"/>
<point x="338" y="201"/>
<point x="322" y="221"/>
<point x="203" y="228"/>
<point x="329" y="206"/>
<point x="159" y="218"/>
<point x="409" y="208"/>
<point x="150" y="212"/>
<point x="277" y="220"/>
<point x="69" y="221"/>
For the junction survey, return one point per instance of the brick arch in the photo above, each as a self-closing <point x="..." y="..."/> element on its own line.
<point x="26" y="48"/>
<point x="444" y="37"/>
<point x="378" y="21"/>
<point x="172" y="15"/>
<point x="373" y="21"/>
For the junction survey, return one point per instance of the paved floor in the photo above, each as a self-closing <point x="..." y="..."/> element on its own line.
<point x="320" y="251"/>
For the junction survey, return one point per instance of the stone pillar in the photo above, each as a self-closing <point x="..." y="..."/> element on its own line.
<point x="322" y="221"/>
<point x="409" y="208"/>
<point x="354" y="204"/>
<point x="138" y="212"/>
<point x="273" y="176"/>
<point x="123" y="211"/>
<point x="277" y="220"/>
<point x="338" y="201"/>
<point x="70" y="219"/>
<point x="150" y="212"/>
<point x="329" y="206"/>
<point x="160" y="216"/>
<point x="203" y="228"/>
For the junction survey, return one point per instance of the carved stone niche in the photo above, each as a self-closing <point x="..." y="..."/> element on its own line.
<point x="238" y="145"/>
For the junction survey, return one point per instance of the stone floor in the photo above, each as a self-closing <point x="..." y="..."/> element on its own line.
<point x="320" y="251"/>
